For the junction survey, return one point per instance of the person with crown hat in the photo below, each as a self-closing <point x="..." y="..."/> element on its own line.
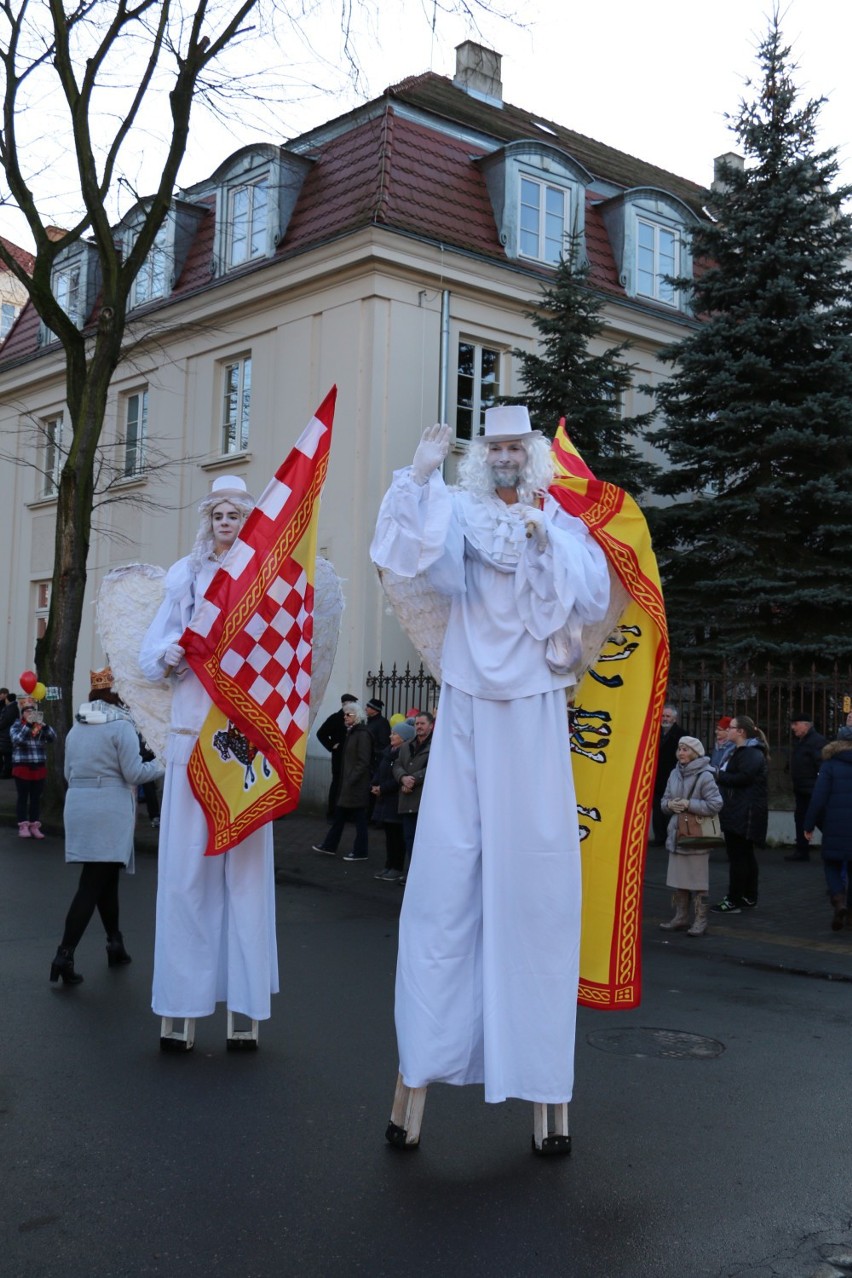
<point x="103" y="768"/>
<point x="215" y="925"/>
<point x="488" y="967"/>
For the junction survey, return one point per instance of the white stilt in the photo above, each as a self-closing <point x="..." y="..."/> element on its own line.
<point x="549" y="1139"/>
<point x="241" y="1040"/>
<point x="172" y="1040"/>
<point x="403" y="1130"/>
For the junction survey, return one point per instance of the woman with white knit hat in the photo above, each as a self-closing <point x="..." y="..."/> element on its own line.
<point x="691" y="787"/>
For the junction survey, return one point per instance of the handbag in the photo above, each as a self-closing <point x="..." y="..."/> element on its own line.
<point x="692" y="826"/>
<point x="697" y="833"/>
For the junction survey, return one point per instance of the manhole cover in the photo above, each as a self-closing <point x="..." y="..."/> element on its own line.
<point x="644" y="1041"/>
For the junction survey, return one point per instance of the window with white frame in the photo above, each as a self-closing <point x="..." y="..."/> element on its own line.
<point x="42" y="607"/>
<point x="236" y="405"/>
<point x="153" y="277"/>
<point x="135" y="432"/>
<point x="477" y="387"/>
<point x="66" y="290"/>
<point x="543" y="220"/>
<point x="657" y="256"/>
<point x="51" y="455"/>
<point x="248" y="207"/>
<point x="8" y="314"/>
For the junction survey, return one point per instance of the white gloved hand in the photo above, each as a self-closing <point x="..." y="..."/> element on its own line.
<point x="173" y="656"/>
<point x="536" y="526"/>
<point x="431" y="451"/>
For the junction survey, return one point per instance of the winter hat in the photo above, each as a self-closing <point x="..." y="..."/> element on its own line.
<point x="801" y="717"/>
<point x="375" y="704"/>
<point x="693" y="744"/>
<point x="406" y="733"/>
<point x="724" y="722"/>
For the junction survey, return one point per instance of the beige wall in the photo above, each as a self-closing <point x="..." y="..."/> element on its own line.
<point x="364" y="313"/>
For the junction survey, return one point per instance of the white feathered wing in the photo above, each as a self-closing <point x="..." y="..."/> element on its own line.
<point x="127" y="604"/>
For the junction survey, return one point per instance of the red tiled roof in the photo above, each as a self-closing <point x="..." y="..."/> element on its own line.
<point x="390" y="170"/>
<point x="21" y="256"/>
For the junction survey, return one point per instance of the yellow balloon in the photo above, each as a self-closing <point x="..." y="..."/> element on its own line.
<point x="39" y="692"/>
<point x="395" y="719"/>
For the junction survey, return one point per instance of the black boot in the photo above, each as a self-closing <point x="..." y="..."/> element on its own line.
<point x="117" y="955"/>
<point x="63" y="966"/>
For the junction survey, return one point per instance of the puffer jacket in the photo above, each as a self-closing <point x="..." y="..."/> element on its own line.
<point x="744" y="789"/>
<point x="694" y="781"/>
<point x="830" y="807"/>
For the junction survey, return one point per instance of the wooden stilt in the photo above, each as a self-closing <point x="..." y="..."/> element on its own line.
<point x="403" y="1130"/>
<point x="241" y="1040"/>
<point x="547" y="1138"/>
<point x="172" y="1040"/>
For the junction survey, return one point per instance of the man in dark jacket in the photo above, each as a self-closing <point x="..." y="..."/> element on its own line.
<point x="410" y="770"/>
<point x="331" y="734"/>
<point x="8" y="716"/>
<point x="670" y="733"/>
<point x="805" y="760"/>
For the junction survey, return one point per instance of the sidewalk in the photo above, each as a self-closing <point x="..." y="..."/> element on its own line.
<point x="787" y="932"/>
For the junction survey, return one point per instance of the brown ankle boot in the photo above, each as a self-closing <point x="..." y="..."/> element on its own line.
<point x="680" y="901"/>
<point x="699" y="927"/>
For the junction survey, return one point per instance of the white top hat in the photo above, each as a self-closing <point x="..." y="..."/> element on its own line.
<point x="509" y="421"/>
<point x="226" y="485"/>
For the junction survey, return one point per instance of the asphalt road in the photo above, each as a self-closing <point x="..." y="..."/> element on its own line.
<point x="720" y="1146"/>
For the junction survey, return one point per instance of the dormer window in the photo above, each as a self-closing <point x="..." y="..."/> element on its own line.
<point x="248" y="208"/>
<point x="543" y="221"/>
<point x="255" y="191"/>
<point x="166" y="257"/>
<point x="75" y="283"/>
<point x="537" y="192"/>
<point x="649" y="233"/>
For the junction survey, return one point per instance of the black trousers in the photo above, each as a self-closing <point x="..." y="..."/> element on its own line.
<point x="98" y="889"/>
<point x="803" y="800"/>
<point x="742" y="868"/>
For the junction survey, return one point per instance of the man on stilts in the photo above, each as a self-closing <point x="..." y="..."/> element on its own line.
<point x="488" y="966"/>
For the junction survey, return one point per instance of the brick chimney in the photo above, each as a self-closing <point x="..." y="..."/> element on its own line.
<point x="478" y="72"/>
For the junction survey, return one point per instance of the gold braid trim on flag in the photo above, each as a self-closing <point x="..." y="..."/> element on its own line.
<point x="615" y="725"/>
<point x="286" y="542"/>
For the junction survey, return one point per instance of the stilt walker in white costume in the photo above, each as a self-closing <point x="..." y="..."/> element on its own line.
<point x="215" y="931"/>
<point x="488" y="967"/>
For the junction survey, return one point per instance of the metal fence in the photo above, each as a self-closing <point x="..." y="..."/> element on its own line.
<point x="403" y="691"/>
<point x="769" y="695"/>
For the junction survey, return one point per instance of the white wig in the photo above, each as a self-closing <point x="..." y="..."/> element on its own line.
<point x="535" y="479"/>
<point x="205" y="542"/>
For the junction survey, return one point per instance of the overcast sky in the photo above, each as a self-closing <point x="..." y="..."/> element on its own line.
<point x="654" y="79"/>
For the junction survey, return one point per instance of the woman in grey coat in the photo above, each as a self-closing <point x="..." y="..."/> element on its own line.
<point x="103" y="767"/>
<point x="691" y="787"/>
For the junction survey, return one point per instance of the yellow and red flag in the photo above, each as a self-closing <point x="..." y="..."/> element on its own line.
<point x="249" y="643"/>
<point x="615" y="732"/>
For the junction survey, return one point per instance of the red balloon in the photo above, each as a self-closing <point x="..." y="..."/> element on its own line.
<point x="28" y="680"/>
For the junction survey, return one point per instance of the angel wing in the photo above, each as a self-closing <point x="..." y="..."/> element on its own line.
<point x="328" y="609"/>
<point x="127" y="604"/>
<point x="423" y="613"/>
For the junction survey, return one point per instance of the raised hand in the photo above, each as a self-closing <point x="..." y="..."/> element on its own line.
<point x="431" y="451"/>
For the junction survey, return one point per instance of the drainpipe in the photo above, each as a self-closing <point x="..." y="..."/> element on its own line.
<point x="444" y="356"/>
